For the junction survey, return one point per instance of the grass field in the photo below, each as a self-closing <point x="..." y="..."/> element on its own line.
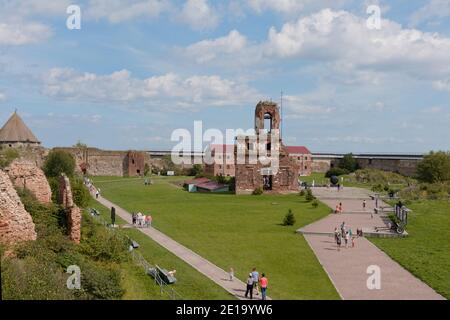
<point x="191" y="284"/>
<point x="426" y="252"/>
<point x="232" y="231"/>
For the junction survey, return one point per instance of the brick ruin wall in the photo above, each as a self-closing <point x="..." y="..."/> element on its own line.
<point x="73" y="213"/>
<point x="25" y="174"/>
<point x="108" y="163"/>
<point x="16" y="223"/>
<point x="248" y="176"/>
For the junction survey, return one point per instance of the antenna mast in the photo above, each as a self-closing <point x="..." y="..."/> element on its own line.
<point x="281" y="120"/>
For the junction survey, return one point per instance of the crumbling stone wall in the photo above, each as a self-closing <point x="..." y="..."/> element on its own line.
<point x="72" y="211"/>
<point x="98" y="162"/>
<point x="16" y="223"/>
<point x="26" y="174"/>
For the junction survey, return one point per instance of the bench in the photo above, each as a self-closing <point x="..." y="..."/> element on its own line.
<point x="163" y="274"/>
<point x="94" y="212"/>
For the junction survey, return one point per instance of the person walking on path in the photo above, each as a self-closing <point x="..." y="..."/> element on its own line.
<point x="346" y="238"/>
<point x="255" y="275"/>
<point x="133" y="218"/>
<point x="231" y="274"/>
<point x="338" y="241"/>
<point x="343" y="229"/>
<point x="249" y="286"/>
<point x="149" y="221"/>
<point x="264" y="283"/>
<point x="364" y="205"/>
<point x="340" y="207"/>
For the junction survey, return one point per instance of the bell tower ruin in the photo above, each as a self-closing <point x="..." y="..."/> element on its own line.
<point x="266" y="143"/>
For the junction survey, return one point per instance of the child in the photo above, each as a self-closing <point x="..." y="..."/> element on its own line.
<point x="231" y="274"/>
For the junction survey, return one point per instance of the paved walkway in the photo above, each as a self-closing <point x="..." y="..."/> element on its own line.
<point x="210" y="270"/>
<point x="347" y="268"/>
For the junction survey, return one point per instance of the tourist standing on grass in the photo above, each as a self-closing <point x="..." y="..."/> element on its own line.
<point x="255" y="275"/>
<point x="249" y="286"/>
<point x="263" y="283"/>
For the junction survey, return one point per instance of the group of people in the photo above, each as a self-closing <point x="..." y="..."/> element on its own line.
<point x="255" y="283"/>
<point x="141" y="220"/>
<point x="344" y="235"/>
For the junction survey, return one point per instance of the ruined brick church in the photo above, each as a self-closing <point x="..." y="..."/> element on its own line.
<point x="250" y="175"/>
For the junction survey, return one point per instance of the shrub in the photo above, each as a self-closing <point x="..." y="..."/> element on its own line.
<point x="57" y="162"/>
<point x="289" y="219"/>
<point x="302" y="193"/>
<point x="196" y="170"/>
<point x="435" y="167"/>
<point x="315" y="204"/>
<point x="80" y="193"/>
<point x="336" y="172"/>
<point x="309" y="196"/>
<point x="7" y="156"/>
<point x="258" y="192"/>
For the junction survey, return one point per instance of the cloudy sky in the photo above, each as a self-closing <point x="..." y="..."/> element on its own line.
<point x="138" y="69"/>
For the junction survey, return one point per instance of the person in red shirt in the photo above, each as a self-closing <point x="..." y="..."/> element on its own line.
<point x="263" y="282"/>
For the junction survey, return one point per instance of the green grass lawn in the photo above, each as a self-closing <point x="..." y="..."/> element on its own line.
<point x="232" y="231"/>
<point x="426" y="252"/>
<point x="191" y="284"/>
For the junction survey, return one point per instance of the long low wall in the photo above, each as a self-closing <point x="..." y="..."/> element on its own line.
<point x="403" y="164"/>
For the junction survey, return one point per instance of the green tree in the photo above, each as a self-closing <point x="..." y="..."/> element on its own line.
<point x="57" y="162"/>
<point x="196" y="170"/>
<point x="435" y="167"/>
<point x="309" y="196"/>
<point x="349" y="163"/>
<point x="289" y="219"/>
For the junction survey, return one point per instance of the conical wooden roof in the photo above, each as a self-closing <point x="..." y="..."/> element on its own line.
<point x="15" y="130"/>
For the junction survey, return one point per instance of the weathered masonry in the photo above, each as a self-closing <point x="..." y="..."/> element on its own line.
<point x="251" y="176"/>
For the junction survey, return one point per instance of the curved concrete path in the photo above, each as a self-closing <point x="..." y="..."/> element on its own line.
<point x="210" y="270"/>
<point x="347" y="268"/>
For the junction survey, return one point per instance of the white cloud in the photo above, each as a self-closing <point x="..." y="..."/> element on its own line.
<point x="293" y="7"/>
<point x="342" y="37"/>
<point x="116" y="11"/>
<point x="17" y="20"/>
<point x="432" y="10"/>
<point x="177" y="92"/>
<point x="303" y="106"/>
<point x="208" y="50"/>
<point x="21" y="34"/>
<point x="442" y="85"/>
<point x="199" y="15"/>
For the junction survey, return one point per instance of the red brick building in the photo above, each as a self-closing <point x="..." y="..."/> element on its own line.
<point x="303" y="157"/>
<point x="223" y="155"/>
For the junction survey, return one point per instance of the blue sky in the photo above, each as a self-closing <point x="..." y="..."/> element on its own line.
<point x="138" y="69"/>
